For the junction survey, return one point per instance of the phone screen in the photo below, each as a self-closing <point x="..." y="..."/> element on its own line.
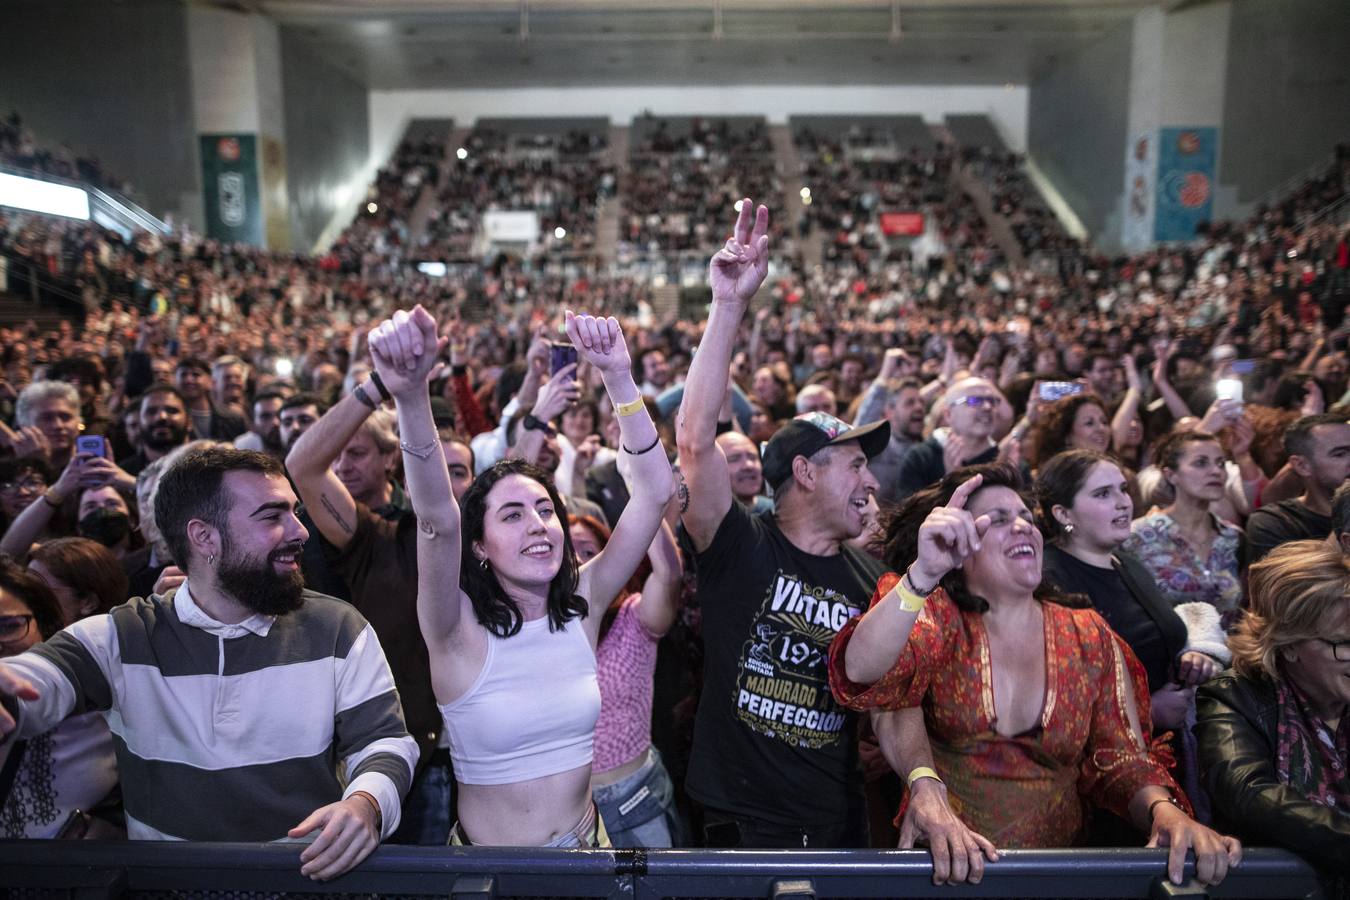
<point x="90" y="444"/>
<point x="1051" y="391"/>
<point x="560" y="356"/>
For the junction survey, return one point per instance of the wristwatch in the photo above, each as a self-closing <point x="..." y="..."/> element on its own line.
<point x="530" y="423"/>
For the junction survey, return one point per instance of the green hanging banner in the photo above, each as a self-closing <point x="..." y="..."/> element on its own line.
<point x="230" y="187"/>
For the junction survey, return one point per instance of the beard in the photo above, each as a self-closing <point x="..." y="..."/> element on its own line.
<point x="156" y="439"/>
<point x="255" y="583"/>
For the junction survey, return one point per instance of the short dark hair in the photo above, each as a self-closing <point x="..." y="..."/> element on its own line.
<point x="1340" y="510"/>
<point x="1298" y="438"/>
<point x="305" y="399"/>
<point x="492" y="606"/>
<point x="270" y="394"/>
<point x="33" y="593"/>
<point x="193" y="362"/>
<point x="451" y="436"/>
<point x="162" y="387"/>
<point x="640" y="361"/>
<point x="193" y="488"/>
<point x="88" y="567"/>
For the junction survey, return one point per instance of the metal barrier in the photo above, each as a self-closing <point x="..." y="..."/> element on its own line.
<point x="39" y="870"/>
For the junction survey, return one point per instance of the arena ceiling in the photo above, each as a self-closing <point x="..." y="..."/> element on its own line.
<point x="428" y="44"/>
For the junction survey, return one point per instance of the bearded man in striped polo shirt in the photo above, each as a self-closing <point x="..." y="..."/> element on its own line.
<point x="242" y="706"/>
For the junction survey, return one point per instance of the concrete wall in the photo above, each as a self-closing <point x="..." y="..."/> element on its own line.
<point x="1288" y="97"/>
<point x="1077" y="126"/>
<point x="112" y="81"/>
<point x="327" y="141"/>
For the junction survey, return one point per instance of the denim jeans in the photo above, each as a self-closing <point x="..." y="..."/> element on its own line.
<point x="640" y="810"/>
<point x="430" y="805"/>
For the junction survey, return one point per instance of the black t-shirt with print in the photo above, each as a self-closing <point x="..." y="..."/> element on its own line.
<point x="769" y="740"/>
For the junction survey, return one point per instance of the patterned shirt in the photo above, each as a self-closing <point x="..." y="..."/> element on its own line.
<point x="1182" y="576"/>
<point x="1031" y="789"/>
<point x="625" y="664"/>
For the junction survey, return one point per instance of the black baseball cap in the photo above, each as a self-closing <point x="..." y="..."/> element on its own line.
<point x="812" y="431"/>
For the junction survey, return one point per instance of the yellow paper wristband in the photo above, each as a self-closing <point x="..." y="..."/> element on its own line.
<point x="627" y="409"/>
<point x="909" y="601"/>
<point x="922" y="772"/>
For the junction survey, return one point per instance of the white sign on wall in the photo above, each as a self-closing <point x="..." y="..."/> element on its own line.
<point x="511" y="226"/>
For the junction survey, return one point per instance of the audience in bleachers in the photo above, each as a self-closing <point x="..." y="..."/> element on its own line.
<point x="940" y="338"/>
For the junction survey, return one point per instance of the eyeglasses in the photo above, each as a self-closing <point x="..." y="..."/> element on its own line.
<point x="15" y="628"/>
<point x="976" y="401"/>
<point x="1339" y="649"/>
<point x="26" y="486"/>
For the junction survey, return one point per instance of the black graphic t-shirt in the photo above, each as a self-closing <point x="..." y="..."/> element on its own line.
<point x="769" y="740"/>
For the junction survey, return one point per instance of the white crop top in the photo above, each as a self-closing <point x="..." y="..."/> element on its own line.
<point x="532" y="710"/>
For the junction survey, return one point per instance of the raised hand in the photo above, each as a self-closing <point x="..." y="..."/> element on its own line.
<point x="740" y="267"/>
<point x="558" y="393"/>
<point x="405" y="350"/>
<point x="947" y="537"/>
<point x="599" y="341"/>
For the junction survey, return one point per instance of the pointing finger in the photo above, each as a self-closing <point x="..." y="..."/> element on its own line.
<point x="962" y="493"/>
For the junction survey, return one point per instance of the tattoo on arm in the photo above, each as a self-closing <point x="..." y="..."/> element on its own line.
<point x="682" y="490"/>
<point x="337" y="517"/>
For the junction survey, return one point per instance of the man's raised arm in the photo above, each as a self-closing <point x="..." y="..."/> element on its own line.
<point x="735" y="274"/>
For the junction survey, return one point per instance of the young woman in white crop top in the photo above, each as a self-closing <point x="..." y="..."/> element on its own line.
<point x="512" y="632"/>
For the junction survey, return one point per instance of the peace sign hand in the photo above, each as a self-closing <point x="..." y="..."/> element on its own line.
<point x="739" y="268"/>
<point x="948" y="537"/>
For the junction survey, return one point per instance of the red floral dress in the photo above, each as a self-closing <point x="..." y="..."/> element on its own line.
<point x="1033" y="789"/>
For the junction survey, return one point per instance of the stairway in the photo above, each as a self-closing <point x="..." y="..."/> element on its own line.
<point x="17" y="311"/>
<point x="666" y="302"/>
<point x="999" y="229"/>
<point x="608" y="215"/>
<point x="789" y="166"/>
<point x="426" y="201"/>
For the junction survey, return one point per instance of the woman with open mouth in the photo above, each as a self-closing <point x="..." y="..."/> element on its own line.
<point x="511" y="633"/>
<point x="1036" y="711"/>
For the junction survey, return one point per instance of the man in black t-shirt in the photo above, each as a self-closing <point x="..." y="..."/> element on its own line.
<point x="775" y="759"/>
<point x="1319" y="451"/>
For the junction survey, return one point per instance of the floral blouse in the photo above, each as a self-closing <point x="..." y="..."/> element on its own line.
<point x="1181" y="575"/>
<point x="1031" y="789"/>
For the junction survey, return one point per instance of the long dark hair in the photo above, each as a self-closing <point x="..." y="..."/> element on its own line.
<point x="492" y="606"/>
<point x="899" y="543"/>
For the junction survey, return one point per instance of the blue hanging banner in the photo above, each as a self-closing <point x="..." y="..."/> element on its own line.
<point x="1187" y="166"/>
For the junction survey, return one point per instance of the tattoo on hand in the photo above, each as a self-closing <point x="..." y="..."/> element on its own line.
<point x="337" y="517"/>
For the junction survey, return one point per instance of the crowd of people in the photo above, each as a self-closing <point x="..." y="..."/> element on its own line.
<point x="21" y="149"/>
<point x="952" y="554"/>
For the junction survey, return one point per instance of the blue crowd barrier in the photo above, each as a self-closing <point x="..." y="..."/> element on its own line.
<point x="131" y="870"/>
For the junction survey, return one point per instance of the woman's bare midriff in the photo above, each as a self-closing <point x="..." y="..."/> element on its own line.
<point x="526" y="813"/>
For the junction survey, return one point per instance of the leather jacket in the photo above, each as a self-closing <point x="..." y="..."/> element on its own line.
<point x="1238" y="737"/>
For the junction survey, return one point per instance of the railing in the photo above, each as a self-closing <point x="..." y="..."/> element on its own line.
<point x="107" y="209"/>
<point x="36" y="870"/>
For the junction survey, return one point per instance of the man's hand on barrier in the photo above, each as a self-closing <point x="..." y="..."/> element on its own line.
<point x="1214" y="852"/>
<point x="350" y="831"/>
<point x="958" y="852"/>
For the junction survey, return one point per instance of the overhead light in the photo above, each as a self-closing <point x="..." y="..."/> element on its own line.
<point x="372" y="208"/>
<point x="739" y="204"/>
<point x="806" y="192"/>
<point x="560" y="232"/>
<point x="462" y="153"/>
<point x="806" y="201"/>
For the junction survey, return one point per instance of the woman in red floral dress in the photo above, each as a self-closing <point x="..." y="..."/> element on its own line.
<point x="1036" y="711"/>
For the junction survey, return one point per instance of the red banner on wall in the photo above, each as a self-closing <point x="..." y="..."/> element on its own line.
<point x="906" y="224"/>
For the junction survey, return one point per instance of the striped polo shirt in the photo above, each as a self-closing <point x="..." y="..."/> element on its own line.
<point x="229" y="732"/>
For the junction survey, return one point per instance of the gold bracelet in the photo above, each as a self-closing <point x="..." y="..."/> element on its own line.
<point x="910" y="601"/>
<point x="628" y="409"/>
<point x="922" y="772"/>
